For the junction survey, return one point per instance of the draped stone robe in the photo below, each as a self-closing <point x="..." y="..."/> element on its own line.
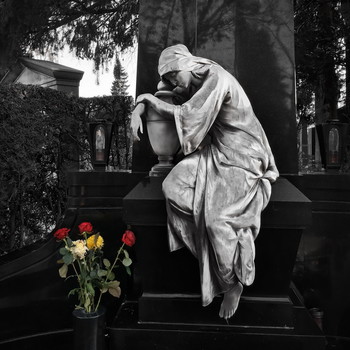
<point x="215" y="195"/>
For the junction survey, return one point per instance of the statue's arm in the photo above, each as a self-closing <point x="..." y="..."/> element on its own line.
<point x="161" y="107"/>
<point x="136" y="121"/>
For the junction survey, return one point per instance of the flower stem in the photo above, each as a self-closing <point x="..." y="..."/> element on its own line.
<point x="98" y="301"/>
<point x="81" y="285"/>
<point x="108" y="273"/>
<point x="76" y="272"/>
<point x="115" y="261"/>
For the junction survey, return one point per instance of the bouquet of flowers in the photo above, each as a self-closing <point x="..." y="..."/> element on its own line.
<point x="94" y="273"/>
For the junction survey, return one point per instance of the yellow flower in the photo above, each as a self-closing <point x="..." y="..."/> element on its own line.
<point x="79" y="249"/>
<point x="95" y="242"/>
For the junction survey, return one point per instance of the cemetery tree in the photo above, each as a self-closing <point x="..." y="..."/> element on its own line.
<point x="91" y="29"/>
<point x="120" y="83"/>
<point x="122" y="127"/>
<point x="345" y="12"/>
<point x="319" y="34"/>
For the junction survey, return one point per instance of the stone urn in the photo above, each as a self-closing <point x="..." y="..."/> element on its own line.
<point x="163" y="136"/>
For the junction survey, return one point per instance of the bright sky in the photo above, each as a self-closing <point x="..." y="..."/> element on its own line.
<point x="88" y="84"/>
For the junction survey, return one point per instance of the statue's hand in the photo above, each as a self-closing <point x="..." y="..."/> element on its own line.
<point x="136" y="121"/>
<point x="145" y="98"/>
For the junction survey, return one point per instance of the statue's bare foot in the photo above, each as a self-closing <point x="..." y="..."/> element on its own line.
<point x="230" y="303"/>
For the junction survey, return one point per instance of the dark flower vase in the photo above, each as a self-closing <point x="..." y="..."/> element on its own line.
<point x="89" y="330"/>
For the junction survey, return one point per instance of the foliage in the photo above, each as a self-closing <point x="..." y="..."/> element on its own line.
<point x="95" y="274"/>
<point x="92" y="29"/>
<point x="322" y="43"/>
<point x="120" y="83"/>
<point x="43" y="134"/>
<point x="319" y="33"/>
<point x="32" y="185"/>
<point x="116" y="109"/>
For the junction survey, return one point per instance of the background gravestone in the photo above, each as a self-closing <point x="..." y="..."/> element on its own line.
<point x="253" y="40"/>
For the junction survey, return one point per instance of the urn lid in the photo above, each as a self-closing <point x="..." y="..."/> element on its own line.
<point x="165" y="93"/>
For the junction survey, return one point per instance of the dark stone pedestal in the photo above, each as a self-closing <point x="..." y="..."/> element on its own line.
<point x="323" y="261"/>
<point x="169" y="315"/>
<point x="210" y="332"/>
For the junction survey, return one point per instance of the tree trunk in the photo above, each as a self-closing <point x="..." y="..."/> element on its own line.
<point x="327" y="91"/>
<point x="117" y="145"/>
<point x="127" y="155"/>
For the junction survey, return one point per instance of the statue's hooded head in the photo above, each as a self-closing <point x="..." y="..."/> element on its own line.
<point x="178" y="58"/>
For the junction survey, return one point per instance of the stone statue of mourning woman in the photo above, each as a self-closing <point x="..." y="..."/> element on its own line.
<point x="216" y="193"/>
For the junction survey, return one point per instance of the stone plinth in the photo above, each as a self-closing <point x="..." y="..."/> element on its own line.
<point x="169" y="282"/>
<point x="283" y="221"/>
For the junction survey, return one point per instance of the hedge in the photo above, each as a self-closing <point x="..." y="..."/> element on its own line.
<point x="44" y="133"/>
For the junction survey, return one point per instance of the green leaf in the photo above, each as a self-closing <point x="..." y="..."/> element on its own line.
<point x="63" y="251"/>
<point x="90" y="254"/>
<point x="106" y="263"/>
<point x="69" y="242"/>
<point x="128" y="270"/>
<point x="113" y="284"/>
<point x="104" y="290"/>
<point x="68" y="258"/>
<point x="83" y="274"/>
<point x="111" y="276"/>
<point x="93" y="274"/>
<point x="116" y="292"/>
<point x="127" y="261"/>
<point x="87" y="304"/>
<point x="126" y="254"/>
<point x="101" y="273"/>
<point x="90" y="289"/>
<point x="63" y="271"/>
<point x="73" y="291"/>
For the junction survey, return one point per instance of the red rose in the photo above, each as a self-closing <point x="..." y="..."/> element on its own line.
<point x="129" y="238"/>
<point x="85" y="227"/>
<point x="61" y="233"/>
